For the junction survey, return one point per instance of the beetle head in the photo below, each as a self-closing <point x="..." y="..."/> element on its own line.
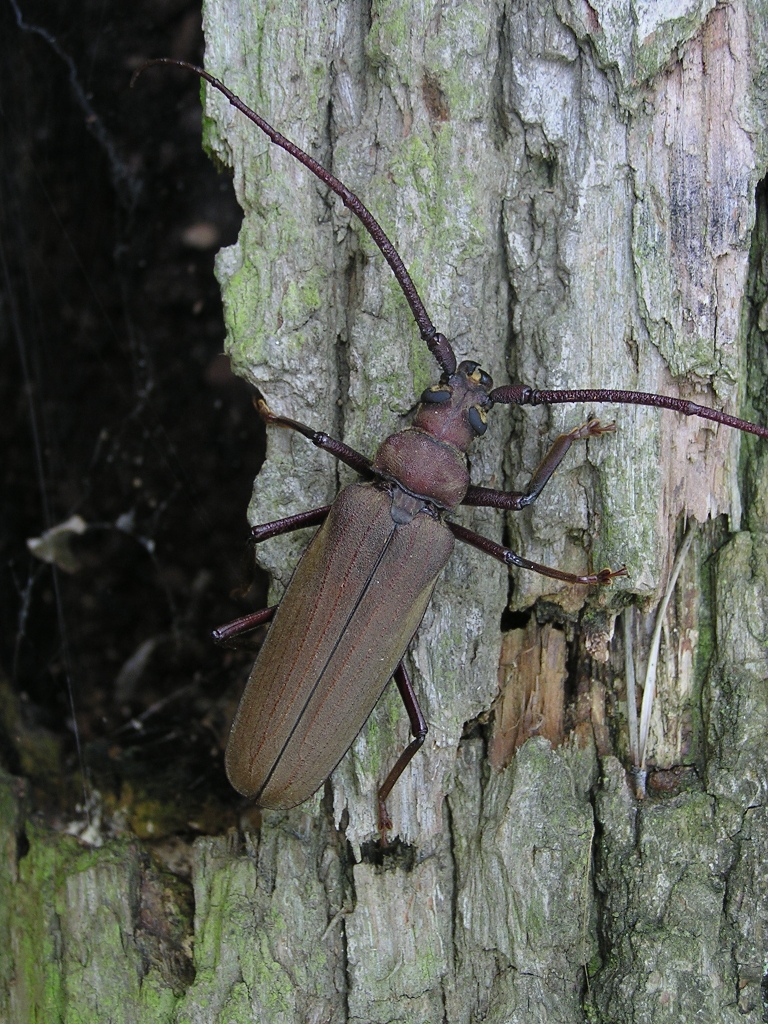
<point x="455" y="410"/>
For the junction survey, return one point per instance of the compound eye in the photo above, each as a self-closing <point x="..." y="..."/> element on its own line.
<point x="482" y="378"/>
<point x="436" y="395"/>
<point x="477" y="419"/>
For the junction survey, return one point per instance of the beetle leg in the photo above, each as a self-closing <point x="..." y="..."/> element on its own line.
<point x="513" y="501"/>
<point x="508" y="557"/>
<point x="264" y="531"/>
<point x="338" y="449"/>
<point x="419" y="730"/>
<point x="232" y="630"/>
<point x="313" y="517"/>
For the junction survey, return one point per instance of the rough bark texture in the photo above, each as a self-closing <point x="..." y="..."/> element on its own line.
<point x="575" y="189"/>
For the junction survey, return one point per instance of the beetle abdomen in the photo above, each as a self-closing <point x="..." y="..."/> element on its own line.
<point x="350" y="610"/>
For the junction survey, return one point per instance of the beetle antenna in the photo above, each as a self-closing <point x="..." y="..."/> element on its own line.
<point x="437" y="343"/>
<point x="521" y="394"/>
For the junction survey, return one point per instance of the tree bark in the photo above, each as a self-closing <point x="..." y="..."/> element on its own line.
<point x="575" y="190"/>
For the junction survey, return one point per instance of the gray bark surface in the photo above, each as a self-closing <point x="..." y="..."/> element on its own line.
<point x="574" y="189"/>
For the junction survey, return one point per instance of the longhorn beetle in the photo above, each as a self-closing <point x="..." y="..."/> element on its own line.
<point x="363" y="584"/>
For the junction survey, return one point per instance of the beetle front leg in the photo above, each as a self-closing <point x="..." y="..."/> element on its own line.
<point x="509" y="557"/>
<point x="513" y="501"/>
<point x="419" y="731"/>
<point x="319" y="439"/>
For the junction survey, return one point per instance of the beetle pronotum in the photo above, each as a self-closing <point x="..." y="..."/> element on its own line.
<point x="363" y="584"/>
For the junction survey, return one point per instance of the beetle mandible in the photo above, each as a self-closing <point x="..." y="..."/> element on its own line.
<point x="361" y="588"/>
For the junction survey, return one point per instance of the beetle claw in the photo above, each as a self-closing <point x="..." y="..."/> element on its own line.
<point x="606" y="576"/>
<point x="261" y="407"/>
<point x="592" y="428"/>
<point x="385" y="824"/>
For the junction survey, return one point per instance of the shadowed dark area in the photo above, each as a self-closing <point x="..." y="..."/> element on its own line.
<point x="118" y="409"/>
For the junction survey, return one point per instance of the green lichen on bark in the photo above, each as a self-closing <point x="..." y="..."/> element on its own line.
<point x="91" y="934"/>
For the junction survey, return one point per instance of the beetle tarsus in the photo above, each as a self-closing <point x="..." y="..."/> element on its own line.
<point x="592" y="428"/>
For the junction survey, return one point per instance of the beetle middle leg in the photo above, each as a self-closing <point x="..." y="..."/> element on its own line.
<point x="509" y="557"/>
<point x="514" y="501"/>
<point x="232" y="631"/>
<point x="313" y="517"/>
<point x="419" y="731"/>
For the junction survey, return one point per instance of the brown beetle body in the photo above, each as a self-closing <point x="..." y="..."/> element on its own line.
<point x="352" y="606"/>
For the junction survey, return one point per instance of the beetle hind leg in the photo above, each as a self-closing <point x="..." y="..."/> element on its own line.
<point x="419" y="731"/>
